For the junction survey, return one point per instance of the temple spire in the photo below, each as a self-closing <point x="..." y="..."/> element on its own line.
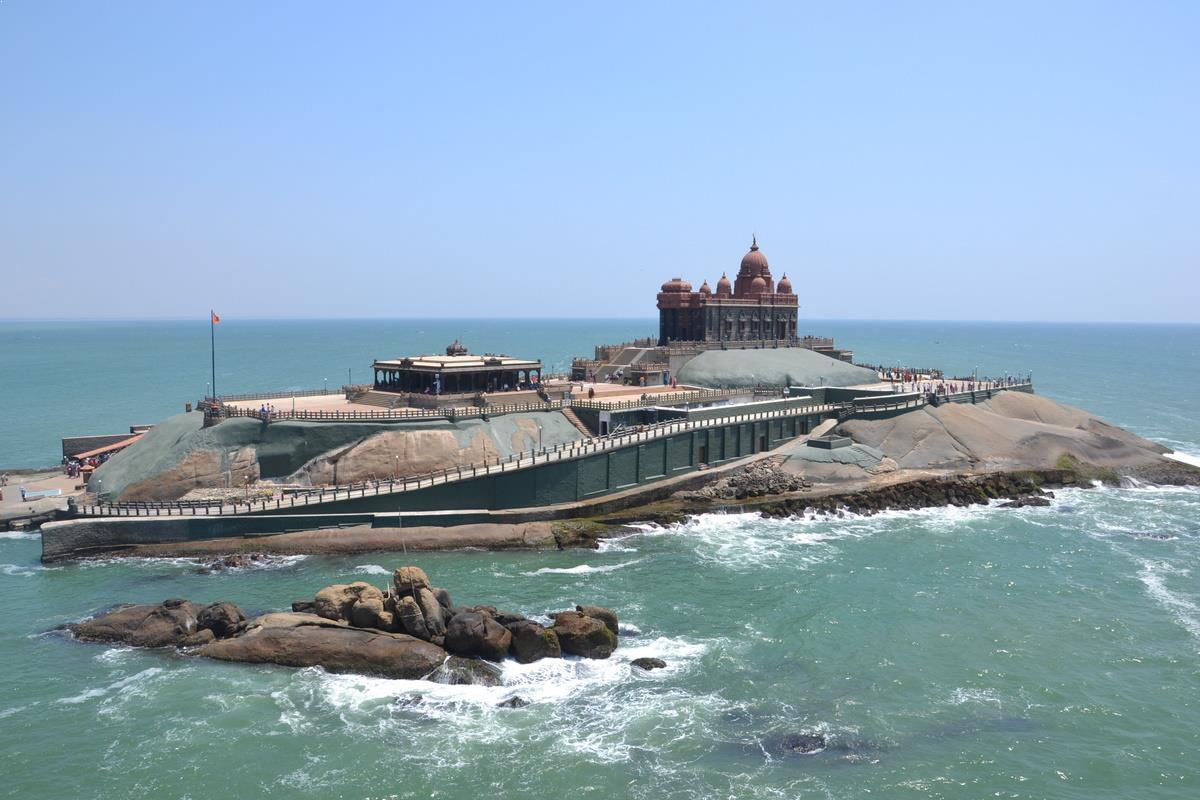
<point x="754" y="241"/>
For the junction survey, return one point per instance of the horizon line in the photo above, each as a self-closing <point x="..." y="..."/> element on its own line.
<point x="226" y="319"/>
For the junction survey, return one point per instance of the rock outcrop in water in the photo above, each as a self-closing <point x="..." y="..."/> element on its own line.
<point x="409" y="630"/>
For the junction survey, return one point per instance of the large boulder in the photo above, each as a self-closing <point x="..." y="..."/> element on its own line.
<point x="605" y="615"/>
<point x="581" y="635"/>
<point x="473" y="634"/>
<point x="336" y="648"/>
<point x="369" y="612"/>
<point x="222" y="618"/>
<point x="337" y="601"/>
<point x="532" y="642"/>
<point x="431" y="610"/>
<point x="412" y="620"/>
<point x="172" y="623"/>
<point x="408" y="580"/>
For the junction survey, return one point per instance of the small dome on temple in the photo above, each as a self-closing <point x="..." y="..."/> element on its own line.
<point x="785" y="286"/>
<point x="677" y="285"/>
<point x="754" y="262"/>
<point x="704" y="288"/>
<point x="758" y="286"/>
<point x="724" y="286"/>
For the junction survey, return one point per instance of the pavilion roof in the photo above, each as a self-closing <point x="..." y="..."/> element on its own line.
<point x="458" y="363"/>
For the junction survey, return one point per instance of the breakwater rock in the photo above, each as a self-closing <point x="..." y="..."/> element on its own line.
<point x="1023" y="488"/>
<point x="410" y="629"/>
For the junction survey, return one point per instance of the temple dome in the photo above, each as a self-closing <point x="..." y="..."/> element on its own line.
<point x="724" y="286"/>
<point x="677" y="285"/>
<point x="758" y="285"/>
<point x="754" y="262"/>
<point x="704" y="288"/>
<point x="785" y="286"/>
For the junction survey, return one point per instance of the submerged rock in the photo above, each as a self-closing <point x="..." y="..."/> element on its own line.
<point x="648" y="663"/>
<point x="803" y="743"/>
<point x="516" y="701"/>
<point x="1022" y="502"/>
<point x="458" y="671"/>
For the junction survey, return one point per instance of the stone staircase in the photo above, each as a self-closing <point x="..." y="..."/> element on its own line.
<point x="626" y="358"/>
<point x="380" y="399"/>
<point x="574" y="419"/>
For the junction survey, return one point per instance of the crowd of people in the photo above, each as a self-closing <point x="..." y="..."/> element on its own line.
<point x="73" y="467"/>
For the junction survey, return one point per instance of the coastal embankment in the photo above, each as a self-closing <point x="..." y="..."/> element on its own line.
<point x="1009" y="447"/>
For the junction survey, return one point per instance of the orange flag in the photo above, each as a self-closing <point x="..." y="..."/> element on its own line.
<point x="215" y="318"/>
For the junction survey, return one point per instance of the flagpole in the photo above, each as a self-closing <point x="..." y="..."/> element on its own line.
<point x="212" y="333"/>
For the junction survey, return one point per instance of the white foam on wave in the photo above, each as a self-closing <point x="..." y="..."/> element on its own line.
<point x="147" y="563"/>
<point x="584" y="705"/>
<point x="962" y="696"/>
<point x="124" y="685"/>
<point x="115" y="655"/>
<point x="372" y="569"/>
<point x="581" y="569"/>
<point x="25" y="571"/>
<point x="1185" y="611"/>
<point x="19" y="535"/>
<point x="615" y="545"/>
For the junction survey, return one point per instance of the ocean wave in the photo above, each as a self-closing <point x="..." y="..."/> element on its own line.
<point x="134" y="681"/>
<point x="581" y="569"/>
<point x="582" y="705"/>
<point x="25" y="570"/>
<point x="19" y="535"/>
<point x="154" y="562"/>
<point x="962" y="696"/>
<point x="1185" y="612"/>
<point x="372" y="569"/>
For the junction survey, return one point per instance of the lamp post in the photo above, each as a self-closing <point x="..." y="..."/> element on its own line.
<point x="326" y="380"/>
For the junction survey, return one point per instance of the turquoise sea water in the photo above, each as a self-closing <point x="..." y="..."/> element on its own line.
<point x="948" y="653"/>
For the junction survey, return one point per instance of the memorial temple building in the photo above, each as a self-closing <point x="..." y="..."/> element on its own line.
<point x="751" y="308"/>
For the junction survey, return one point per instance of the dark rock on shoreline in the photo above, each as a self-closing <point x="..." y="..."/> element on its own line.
<point x="1024" y="502"/>
<point x="926" y="493"/>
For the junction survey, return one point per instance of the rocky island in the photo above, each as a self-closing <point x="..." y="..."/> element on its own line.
<point x="409" y="630"/>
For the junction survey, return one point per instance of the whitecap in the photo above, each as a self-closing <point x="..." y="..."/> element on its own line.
<point x="962" y="696"/>
<point x="25" y="571"/>
<point x="1185" y="612"/>
<point x="19" y="535"/>
<point x="372" y="569"/>
<point x="581" y="569"/>
<point x="119" y="686"/>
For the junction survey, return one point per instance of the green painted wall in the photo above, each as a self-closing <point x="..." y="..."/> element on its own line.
<point x="590" y="476"/>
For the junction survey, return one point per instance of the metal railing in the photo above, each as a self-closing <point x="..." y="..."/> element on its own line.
<point x="518" y="461"/>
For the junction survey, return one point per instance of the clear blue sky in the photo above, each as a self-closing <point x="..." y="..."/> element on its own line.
<point x="950" y="160"/>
